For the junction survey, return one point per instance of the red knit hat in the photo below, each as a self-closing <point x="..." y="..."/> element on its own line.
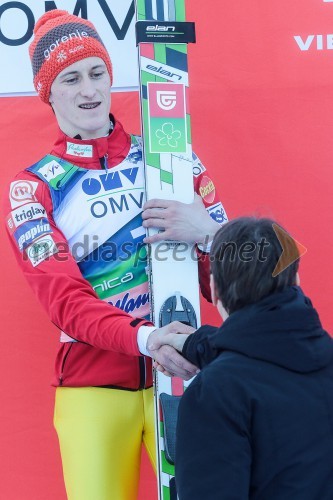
<point x="60" y="40"/>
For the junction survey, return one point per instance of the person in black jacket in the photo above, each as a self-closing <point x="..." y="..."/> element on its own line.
<point x="257" y="422"/>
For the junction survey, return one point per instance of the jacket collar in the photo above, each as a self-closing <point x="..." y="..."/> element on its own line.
<point x="283" y="329"/>
<point x="92" y="153"/>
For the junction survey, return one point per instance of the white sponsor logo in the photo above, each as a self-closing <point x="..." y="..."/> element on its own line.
<point x="318" y="42"/>
<point x="217" y="213"/>
<point x="315" y="42"/>
<point x="41" y="249"/>
<point x="51" y="170"/>
<point x="83" y="150"/>
<point x="22" y="192"/>
<point x="10" y="223"/>
<point x="62" y="56"/>
<point x="30" y="211"/>
<point x="166" y="99"/>
<point x="33" y="233"/>
<point x="160" y="28"/>
<point x="198" y="168"/>
<point x="76" y="49"/>
<point x="165" y="71"/>
<point x="114" y="282"/>
<point x="64" y="39"/>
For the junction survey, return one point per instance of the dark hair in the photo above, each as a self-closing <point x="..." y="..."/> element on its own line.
<point x="244" y="261"/>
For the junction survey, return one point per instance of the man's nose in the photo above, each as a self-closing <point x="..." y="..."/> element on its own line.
<point x="87" y="87"/>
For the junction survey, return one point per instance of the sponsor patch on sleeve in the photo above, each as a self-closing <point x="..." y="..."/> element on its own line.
<point x="22" y="192"/>
<point x="29" y="212"/>
<point x="198" y="167"/>
<point x="207" y="189"/>
<point x="41" y="249"/>
<point x="30" y="231"/>
<point x="51" y="170"/>
<point x="218" y="213"/>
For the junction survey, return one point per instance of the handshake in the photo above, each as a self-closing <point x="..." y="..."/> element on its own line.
<point x="165" y="346"/>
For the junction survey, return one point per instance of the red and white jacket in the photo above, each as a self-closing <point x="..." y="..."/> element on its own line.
<point x="70" y="195"/>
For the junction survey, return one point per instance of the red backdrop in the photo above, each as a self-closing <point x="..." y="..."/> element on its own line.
<point x="262" y="118"/>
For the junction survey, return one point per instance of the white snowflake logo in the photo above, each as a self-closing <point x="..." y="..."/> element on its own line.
<point x="62" y="56"/>
<point x="39" y="86"/>
<point x="168" y="136"/>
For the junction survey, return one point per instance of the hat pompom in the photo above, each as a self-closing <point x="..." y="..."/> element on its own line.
<point x="51" y="14"/>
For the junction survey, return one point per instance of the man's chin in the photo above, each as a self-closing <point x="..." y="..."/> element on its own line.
<point x="94" y="133"/>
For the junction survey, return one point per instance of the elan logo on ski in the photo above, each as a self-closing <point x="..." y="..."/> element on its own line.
<point x="167" y="117"/>
<point x="165" y="31"/>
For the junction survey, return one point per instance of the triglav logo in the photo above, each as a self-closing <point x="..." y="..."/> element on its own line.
<point x="315" y="42"/>
<point x="166" y="100"/>
<point x="26" y="213"/>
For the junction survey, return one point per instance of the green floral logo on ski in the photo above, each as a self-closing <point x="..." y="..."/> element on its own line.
<point x="167" y="135"/>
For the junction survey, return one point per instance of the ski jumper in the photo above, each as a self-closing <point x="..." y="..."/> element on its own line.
<point x="75" y="225"/>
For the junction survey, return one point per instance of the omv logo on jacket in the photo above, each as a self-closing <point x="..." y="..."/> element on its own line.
<point x="114" y="192"/>
<point x="109" y="181"/>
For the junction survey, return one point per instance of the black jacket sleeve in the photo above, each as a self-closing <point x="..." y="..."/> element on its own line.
<point x="197" y="348"/>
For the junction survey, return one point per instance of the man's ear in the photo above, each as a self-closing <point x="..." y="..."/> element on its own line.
<point x="213" y="290"/>
<point x="215" y="299"/>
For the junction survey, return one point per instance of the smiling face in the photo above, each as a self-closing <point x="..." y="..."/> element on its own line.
<point x="81" y="100"/>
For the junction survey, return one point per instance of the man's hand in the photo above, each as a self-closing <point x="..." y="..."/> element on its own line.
<point x="167" y="359"/>
<point x="173" y="334"/>
<point x="188" y="222"/>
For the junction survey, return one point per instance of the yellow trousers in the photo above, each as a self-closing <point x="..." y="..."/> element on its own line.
<point x="100" y="433"/>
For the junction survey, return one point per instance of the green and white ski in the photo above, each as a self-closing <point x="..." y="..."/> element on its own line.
<point x="162" y="38"/>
